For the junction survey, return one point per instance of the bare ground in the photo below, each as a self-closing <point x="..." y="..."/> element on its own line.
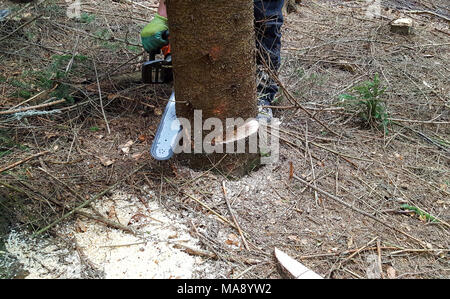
<point x="328" y="48"/>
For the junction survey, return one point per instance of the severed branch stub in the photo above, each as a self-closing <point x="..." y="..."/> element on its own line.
<point x="292" y="268"/>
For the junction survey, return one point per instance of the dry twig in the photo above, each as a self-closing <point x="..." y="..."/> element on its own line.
<point x="23" y="161"/>
<point x="234" y="218"/>
<point x="421" y="243"/>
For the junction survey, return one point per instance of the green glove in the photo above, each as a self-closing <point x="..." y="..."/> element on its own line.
<point x="151" y="35"/>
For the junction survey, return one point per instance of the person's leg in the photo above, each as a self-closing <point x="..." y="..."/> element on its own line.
<point x="268" y="23"/>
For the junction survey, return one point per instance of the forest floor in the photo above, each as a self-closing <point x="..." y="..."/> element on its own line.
<point x="377" y="204"/>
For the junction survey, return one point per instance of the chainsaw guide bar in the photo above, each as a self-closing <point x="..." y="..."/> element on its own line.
<point x="166" y="135"/>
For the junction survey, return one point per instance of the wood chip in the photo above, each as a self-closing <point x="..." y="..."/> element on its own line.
<point x="293" y="268"/>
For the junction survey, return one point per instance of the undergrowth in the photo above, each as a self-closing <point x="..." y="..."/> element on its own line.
<point x="366" y="100"/>
<point x="51" y="77"/>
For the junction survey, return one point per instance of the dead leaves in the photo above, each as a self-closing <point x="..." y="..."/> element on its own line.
<point x="143" y="138"/>
<point x="112" y="212"/>
<point x="125" y="148"/>
<point x="80" y="227"/>
<point x="233" y="240"/>
<point x="137" y="218"/>
<point x="106" y="161"/>
<point x="158" y="111"/>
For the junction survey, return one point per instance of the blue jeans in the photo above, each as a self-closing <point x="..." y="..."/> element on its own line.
<point x="268" y="22"/>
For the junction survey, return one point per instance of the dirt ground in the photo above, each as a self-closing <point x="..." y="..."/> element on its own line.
<point x="378" y="201"/>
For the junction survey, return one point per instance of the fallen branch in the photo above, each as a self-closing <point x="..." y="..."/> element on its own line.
<point x="397" y="250"/>
<point x="234" y="218"/>
<point x="149" y="7"/>
<point x="427" y="12"/>
<point x="99" y="217"/>
<point x="195" y="251"/>
<point x="420" y="121"/>
<point x="209" y="209"/>
<point x="202" y="204"/>
<point x="34" y="97"/>
<point x="32" y="107"/>
<point x="203" y="253"/>
<point x="292" y="99"/>
<point x="341" y="263"/>
<point x="23" y="161"/>
<point x="20" y="27"/>
<point x="106" y="221"/>
<point x="101" y="99"/>
<point x="342" y="155"/>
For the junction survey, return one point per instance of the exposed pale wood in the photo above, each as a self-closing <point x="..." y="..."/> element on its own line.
<point x="293" y="268"/>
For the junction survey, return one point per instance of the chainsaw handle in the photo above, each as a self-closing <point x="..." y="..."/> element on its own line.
<point x="165" y="35"/>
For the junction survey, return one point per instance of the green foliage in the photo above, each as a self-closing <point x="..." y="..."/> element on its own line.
<point x="56" y="70"/>
<point x="22" y="88"/>
<point x="19" y="84"/>
<point x="54" y="10"/>
<point x="94" y="129"/>
<point x="87" y="18"/>
<point x="300" y="72"/>
<point x="24" y="94"/>
<point x="422" y="214"/>
<point x="315" y="79"/>
<point x="366" y="100"/>
<point x="103" y="33"/>
<point x="134" y="49"/>
<point x="106" y="35"/>
<point x="7" y="145"/>
<point x="45" y="79"/>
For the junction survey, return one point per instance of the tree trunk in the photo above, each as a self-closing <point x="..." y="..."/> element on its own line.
<point x="213" y="46"/>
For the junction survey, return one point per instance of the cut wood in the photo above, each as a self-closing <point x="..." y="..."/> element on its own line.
<point x="402" y="26"/>
<point x="293" y="268"/>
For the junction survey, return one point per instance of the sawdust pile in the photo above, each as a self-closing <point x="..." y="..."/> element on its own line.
<point x="114" y="253"/>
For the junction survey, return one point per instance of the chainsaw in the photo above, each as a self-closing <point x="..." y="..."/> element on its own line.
<point x="159" y="71"/>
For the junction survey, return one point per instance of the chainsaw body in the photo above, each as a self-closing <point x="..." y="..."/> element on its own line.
<point x="158" y="71"/>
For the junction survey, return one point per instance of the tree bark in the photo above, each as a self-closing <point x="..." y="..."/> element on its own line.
<point x="213" y="51"/>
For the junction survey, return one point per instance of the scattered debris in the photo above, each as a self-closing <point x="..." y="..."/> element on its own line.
<point x="126" y="147"/>
<point x="106" y="161"/>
